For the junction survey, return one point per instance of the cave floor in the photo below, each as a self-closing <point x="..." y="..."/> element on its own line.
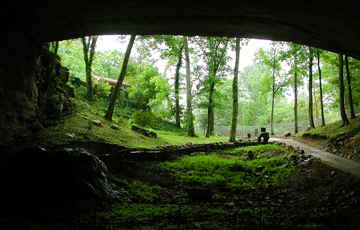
<point x="259" y="188"/>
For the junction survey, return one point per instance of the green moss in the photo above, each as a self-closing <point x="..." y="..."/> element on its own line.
<point x="219" y="169"/>
<point x="258" y="150"/>
<point x="138" y="190"/>
<point x="178" y="138"/>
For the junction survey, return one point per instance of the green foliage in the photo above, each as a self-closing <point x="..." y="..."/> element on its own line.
<point x="71" y="55"/>
<point x="148" y="89"/>
<point x="143" y="118"/>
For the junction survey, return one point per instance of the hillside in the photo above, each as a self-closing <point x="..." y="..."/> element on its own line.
<point x="82" y="126"/>
<point x="343" y="141"/>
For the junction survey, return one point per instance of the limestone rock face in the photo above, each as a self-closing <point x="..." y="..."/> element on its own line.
<point x="64" y="179"/>
<point x="33" y="94"/>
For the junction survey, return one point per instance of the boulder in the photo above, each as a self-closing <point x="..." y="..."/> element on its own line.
<point x="143" y="131"/>
<point x="116" y="127"/>
<point x="97" y="122"/>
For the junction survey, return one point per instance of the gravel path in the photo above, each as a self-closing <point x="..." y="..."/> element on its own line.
<point x="326" y="157"/>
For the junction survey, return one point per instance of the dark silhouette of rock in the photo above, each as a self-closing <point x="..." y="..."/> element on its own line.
<point x="66" y="181"/>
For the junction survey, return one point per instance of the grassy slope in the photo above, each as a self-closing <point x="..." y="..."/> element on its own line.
<point x="321" y="137"/>
<point x="333" y="130"/>
<point x="79" y="127"/>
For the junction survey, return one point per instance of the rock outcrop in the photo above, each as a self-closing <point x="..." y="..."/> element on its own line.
<point x="63" y="182"/>
<point x="33" y="93"/>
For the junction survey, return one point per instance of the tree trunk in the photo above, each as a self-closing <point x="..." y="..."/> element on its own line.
<point x="321" y="92"/>
<point x="273" y="96"/>
<point x="177" y="86"/>
<point x="89" y="52"/>
<point x="311" y="112"/>
<point x="348" y="78"/>
<point x="344" y="118"/>
<point x="189" y="114"/>
<point x="211" y="124"/>
<point x="110" y="110"/>
<point x="272" y="114"/>
<point x="296" y="125"/>
<point x="54" y="47"/>
<point x="235" y="90"/>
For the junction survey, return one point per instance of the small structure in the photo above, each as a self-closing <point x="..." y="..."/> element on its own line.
<point x="109" y="81"/>
<point x="264" y="136"/>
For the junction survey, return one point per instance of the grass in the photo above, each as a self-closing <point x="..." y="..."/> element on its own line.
<point x="79" y="127"/>
<point x="259" y="150"/>
<point x="138" y="190"/>
<point x="333" y="130"/>
<point x="230" y="169"/>
<point x="181" y="138"/>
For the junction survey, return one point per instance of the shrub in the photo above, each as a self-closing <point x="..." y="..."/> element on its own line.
<point x="143" y="118"/>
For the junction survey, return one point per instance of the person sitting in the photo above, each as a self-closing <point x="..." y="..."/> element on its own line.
<point x="264" y="136"/>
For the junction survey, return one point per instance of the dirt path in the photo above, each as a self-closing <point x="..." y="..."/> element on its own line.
<point x="326" y="157"/>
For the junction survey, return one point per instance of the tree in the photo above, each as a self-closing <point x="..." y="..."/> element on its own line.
<point x="214" y="51"/>
<point x="348" y="78"/>
<point x="110" y="110"/>
<point x="89" y="44"/>
<point x="320" y="87"/>
<point x="310" y="108"/>
<point x="272" y="58"/>
<point x="170" y="47"/>
<point x="344" y="118"/>
<point x="235" y="90"/>
<point x="177" y="86"/>
<point x="294" y="55"/>
<point x="189" y="113"/>
<point x="54" y="47"/>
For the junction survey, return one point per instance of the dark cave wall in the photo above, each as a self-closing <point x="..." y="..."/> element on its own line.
<point x="32" y="88"/>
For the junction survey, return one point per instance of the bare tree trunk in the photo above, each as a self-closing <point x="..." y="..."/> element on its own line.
<point x="211" y="124"/>
<point x="320" y="86"/>
<point x="189" y="114"/>
<point x="311" y="112"/>
<point x="344" y="118"/>
<point x="348" y="78"/>
<point x="272" y="114"/>
<point x="110" y="110"/>
<point x="89" y="45"/>
<point x="177" y="86"/>
<point x="235" y="89"/>
<point x="54" y="47"/>
<point x="273" y="96"/>
<point x="316" y="107"/>
<point x="296" y="125"/>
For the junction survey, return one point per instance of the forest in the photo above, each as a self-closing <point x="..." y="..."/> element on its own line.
<point x="167" y="132"/>
<point x="287" y="88"/>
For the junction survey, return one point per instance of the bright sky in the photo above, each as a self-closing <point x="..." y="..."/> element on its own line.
<point x="111" y="42"/>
